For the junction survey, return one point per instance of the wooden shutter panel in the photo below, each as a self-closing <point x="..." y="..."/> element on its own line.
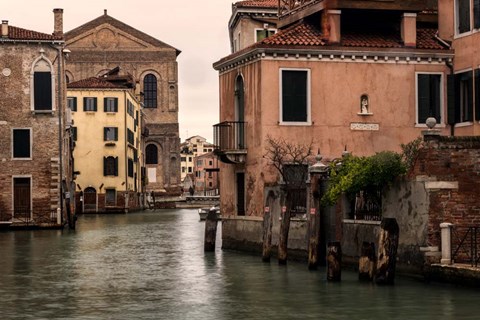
<point x="104" y="166"/>
<point x="451" y="96"/>
<point x="477" y="94"/>
<point x="116" y="104"/>
<point x="116" y="166"/>
<point x="105" y="132"/>
<point x="94" y="104"/>
<point x="84" y="104"/>
<point x="476" y="14"/>
<point x="116" y="133"/>
<point x="468" y="76"/>
<point x="42" y="87"/>
<point x="423" y="97"/>
<point x="74" y="106"/>
<point x="105" y="101"/>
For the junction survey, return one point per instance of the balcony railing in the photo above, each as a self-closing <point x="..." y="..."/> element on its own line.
<point x="289" y="6"/>
<point x="230" y="136"/>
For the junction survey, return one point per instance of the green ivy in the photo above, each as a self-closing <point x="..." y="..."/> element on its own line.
<point x="352" y="174"/>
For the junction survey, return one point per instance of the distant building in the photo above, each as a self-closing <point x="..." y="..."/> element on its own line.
<point x="108" y="144"/>
<point x="191" y="148"/>
<point x="206" y="174"/>
<point x="35" y="170"/>
<point x="105" y="43"/>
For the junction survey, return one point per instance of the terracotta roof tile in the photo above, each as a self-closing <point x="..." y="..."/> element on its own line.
<point x="299" y="34"/>
<point x="308" y="35"/>
<point x="257" y="4"/>
<point x="16" y="33"/>
<point x="93" y="83"/>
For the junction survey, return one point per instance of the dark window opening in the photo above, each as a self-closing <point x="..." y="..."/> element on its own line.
<point x="89" y="104"/>
<point x="150" y="91"/>
<point x="110" y="134"/>
<point x="429" y="97"/>
<point x="21" y="143"/>
<point x="72" y="103"/>
<point x="151" y="154"/>
<point x="42" y="91"/>
<point x="110" y="104"/>
<point x="110" y="166"/>
<point x="294" y="96"/>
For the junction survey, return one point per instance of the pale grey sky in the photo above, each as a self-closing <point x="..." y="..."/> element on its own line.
<point x="197" y="28"/>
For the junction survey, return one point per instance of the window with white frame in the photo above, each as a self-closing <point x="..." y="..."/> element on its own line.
<point x="295" y="96"/>
<point x="429" y="97"/>
<point x="21" y="144"/>
<point x="467" y="15"/>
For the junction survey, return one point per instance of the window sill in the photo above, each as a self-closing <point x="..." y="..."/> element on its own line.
<point x="369" y="222"/>
<point x="464" y="124"/>
<point x="365" y="114"/>
<point x="22" y="159"/>
<point x="52" y="112"/>
<point x="440" y="125"/>
<point x="295" y="124"/>
<point x="465" y="34"/>
<point x="90" y="112"/>
<point x="111" y="113"/>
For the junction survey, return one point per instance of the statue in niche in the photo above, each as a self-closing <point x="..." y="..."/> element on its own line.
<point x="364" y="104"/>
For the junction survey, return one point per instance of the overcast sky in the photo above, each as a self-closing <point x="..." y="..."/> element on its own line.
<point x="197" y="28"/>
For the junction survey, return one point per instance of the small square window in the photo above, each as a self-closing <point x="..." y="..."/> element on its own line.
<point x="89" y="104"/>
<point x="110" y="104"/>
<point x="110" y="134"/>
<point x="72" y="103"/>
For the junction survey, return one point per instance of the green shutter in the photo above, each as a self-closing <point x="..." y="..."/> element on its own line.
<point x="84" y="104"/>
<point x="452" y="113"/>
<point x="423" y="96"/>
<point x="468" y="78"/>
<point x="116" y="133"/>
<point x="116" y="104"/>
<point x="105" y="133"/>
<point x="477" y="94"/>
<point x="105" y="166"/>
<point x="105" y="103"/>
<point x="94" y="104"/>
<point x="476" y="14"/>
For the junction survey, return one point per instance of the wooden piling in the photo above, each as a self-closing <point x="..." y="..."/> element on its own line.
<point x="314" y="222"/>
<point x="267" y="229"/>
<point x="367" y="262"/>
<point x="210" y="230"/>
<point x="334" y="261"/>
<point x="283" y="239"/>
<point x="387" y="251"/>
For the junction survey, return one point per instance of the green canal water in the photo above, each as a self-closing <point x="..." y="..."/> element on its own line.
<point x="151" y="265"/>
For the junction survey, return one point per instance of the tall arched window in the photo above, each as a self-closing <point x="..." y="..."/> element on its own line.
<point x="151" y="154"/>
<point x="150" y="91"/>
<point x="42" y="95"/>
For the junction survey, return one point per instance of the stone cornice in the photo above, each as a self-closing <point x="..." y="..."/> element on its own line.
<point x="330" y="54"/>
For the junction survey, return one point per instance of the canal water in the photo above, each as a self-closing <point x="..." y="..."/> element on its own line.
<point x="151" y="265"/>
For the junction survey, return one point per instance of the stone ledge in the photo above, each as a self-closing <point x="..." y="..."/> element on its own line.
<point x="441" y="185"/>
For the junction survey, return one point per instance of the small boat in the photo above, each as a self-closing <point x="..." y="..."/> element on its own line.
<point x="202" y="212"/>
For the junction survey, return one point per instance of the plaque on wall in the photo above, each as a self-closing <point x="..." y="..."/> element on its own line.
<point x="359" y="126"/>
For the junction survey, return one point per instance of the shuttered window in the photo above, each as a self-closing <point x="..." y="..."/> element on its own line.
<point x="110" y="166"/>
<point x="130" y="167"/>
<point x="42" y="91"/>
<point x="294" y="104"/>
<point x="429" y="97"/>
<point x="72" y="103"/>
<point x="477" y="94"/>
<point x="476" y="14"/>
<point x="21" y="144"/>
<point x="89" y="104"/>
<point x="460" y="97"/>
<point x="110" y="134"/>
<point x="130" y="137"/>
<point x="110" y="104"/>
<point x="151" y="154"/>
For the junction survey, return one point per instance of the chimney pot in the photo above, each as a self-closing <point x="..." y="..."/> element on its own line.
<point x="58" y="23"/>
<point x="4" y="28"/>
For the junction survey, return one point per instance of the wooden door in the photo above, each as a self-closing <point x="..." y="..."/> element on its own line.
<point x="22" y="199"/>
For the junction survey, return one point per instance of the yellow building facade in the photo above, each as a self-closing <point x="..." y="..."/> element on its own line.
<point x="107" y="119"/>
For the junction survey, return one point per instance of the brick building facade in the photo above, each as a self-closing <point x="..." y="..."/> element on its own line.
<point x="34" y="135"/>
<point x="106" y="43"/>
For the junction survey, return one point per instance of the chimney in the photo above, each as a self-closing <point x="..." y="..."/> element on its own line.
<point x="58" y="23"/>
<point x="446" y="25"/>
<point x="334" y="23"/>
<point x="4" y="28"/>
<point x="409" y="29"/>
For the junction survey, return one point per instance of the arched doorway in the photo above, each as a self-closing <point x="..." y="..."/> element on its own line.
<point x="89" y="200"/>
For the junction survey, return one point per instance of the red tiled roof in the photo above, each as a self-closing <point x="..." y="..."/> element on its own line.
<point x="257" y="4"/>
<point x="308" y="35"/>
<point x="93" y="83"/>
<point x="16" y="33"/>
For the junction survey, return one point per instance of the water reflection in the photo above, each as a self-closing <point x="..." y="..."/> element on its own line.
<point x="151" y="265"/>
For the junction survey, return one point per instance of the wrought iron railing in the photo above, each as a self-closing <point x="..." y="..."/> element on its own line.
<point x="230" y="135"/>
<point x="465" y="245"/>
<point x="28" y="217"/>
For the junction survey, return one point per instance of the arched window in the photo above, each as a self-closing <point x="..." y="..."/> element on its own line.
<point x="151" y="154"/>
<point x="42" y="95"/>
<point x="150" y="91"/>
<point x="110" y="166"/>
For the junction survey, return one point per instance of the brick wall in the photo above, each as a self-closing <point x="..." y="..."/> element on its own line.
<point x="455" y="161"/>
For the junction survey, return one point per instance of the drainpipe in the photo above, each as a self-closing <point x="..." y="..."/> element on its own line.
<point x="125" y="137"/>
<point x="452" y="125"/>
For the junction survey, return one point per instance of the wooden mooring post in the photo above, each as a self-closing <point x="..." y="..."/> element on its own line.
<point x="283" y="239"/>
<point x="334" y="261"/>
<point x="367" y="262"/>
<point x="211" y="222"/>
<point x="387" y="251"/>
<point x="267" y="232"/>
